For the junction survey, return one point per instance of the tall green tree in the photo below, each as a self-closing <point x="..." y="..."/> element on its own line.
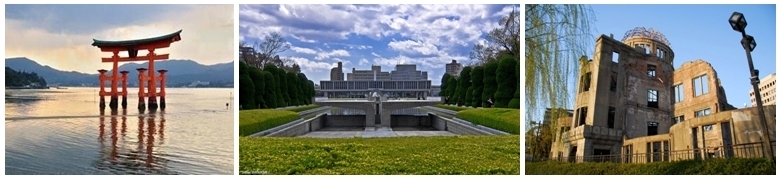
<point x="271" y="68"/>
<point x="293" y="88"/>
<point x="451" y="89"/>
<point x="515" y="103"/>
<point x="257" y="81"/>
<point x="443" y="86"/>
<point x="555" y="36"/>
<point x="477" y="87"/>
<point x="246" y="88"/>
<point x="269" y="95"/>
<point x="285" y="91"/>
<point x="506" y="84"/>
<point x="305" y="88"/>
<point x="489" y="82"/>
<point x="464" y="81"/>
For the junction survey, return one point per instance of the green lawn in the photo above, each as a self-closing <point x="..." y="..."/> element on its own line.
<point x="256" y="120"/>
<point x="503" y="119"/>
<point x="732" y="166"/>
<point x="302" y="108"/>
<point x="452" y="108"/>
<point x="401" y="155"/>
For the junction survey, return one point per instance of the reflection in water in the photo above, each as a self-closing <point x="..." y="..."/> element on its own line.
<point x="66" y="133"/>
<point x="141" y="160"/>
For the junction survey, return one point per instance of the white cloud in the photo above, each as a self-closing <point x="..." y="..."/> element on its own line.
<point x="363" y="61"/>
<point x="375" y="54"/>
<point x="311" y="66"/>
<point x="207" y="37"/>
<point x="335" y="53"/>
<point x="413" y="47"/>
<point x="303" y="50"/>
<point x="302" y="39"/>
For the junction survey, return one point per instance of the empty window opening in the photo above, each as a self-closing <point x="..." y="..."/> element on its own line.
<point x="611" y="116"/>
<point x="652" y="128"/>
<point x="653" y="98"/>
<point x="700" y="85"/>
<point x="585" y="82"/>
<point x="703" y="112"/>
<point x="678" y="119"/>
<point x="678" y="95"/>
<point x="707" y="127"/>
<point x="613" y="82"/>
<point x="582" y="112"/>
<point x="651" y="71"/>
<point x="615" y="57"/>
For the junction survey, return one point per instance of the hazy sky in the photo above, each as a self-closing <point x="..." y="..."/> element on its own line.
<point x="60" y="36"/>
<point x="361" y="35"/>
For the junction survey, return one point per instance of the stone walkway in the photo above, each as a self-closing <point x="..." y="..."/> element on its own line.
<point x="372" y="132"/>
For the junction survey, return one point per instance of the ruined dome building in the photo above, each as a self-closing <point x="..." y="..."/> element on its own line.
<point x="630" y="99"/>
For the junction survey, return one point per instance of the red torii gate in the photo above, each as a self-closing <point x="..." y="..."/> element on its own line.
<point x="132" y="47"/>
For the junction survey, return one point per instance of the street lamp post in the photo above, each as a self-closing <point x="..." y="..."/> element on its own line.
<point x="738" y="23"/>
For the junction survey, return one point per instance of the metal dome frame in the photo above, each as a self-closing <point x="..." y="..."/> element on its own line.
<point x="650" y="33"/>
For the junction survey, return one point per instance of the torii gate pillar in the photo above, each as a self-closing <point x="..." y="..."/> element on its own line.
<point x="132" y="47"/>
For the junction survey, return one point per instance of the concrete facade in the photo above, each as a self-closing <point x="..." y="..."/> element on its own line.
<point x="767" y="88"/>
<point x="336" y="73"/>
<point x="375" y="74"/>
<point x="453" y="68"/>
<point x="631" y="100"/>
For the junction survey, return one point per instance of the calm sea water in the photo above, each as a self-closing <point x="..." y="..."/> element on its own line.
<point x="61" y="131"/>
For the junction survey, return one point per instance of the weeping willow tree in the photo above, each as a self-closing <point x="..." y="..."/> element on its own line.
<point x="556" y="37"/>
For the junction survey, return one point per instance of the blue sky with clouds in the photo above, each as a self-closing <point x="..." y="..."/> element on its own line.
<point x="703" y="34"/>
<point x="363" y="35"/>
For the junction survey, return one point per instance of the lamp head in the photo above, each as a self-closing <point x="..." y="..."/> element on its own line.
<point x="738" y="22"/>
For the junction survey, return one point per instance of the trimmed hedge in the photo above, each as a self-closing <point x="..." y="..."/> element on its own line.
<point x="731" y="166"/>
<point x="302" y="108"/>
<point x="452" y="108"/>
<point x="503" y="119"/>
<point x="381" y="156"/>
<point x="253" y="121"/>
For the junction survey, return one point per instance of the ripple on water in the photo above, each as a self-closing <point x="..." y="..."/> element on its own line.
<point x="70" y="137"/>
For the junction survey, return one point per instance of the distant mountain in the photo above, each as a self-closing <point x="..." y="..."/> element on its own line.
<point x="180" y="72"/>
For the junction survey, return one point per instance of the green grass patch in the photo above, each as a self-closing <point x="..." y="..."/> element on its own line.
<point x="716" y="166"/>
<point x="256" y="120"/>
<point x="381" y="156"/>
<point x="452" y="108"/>
<point x="302" y="108"/>
<point x="503" y="119"/>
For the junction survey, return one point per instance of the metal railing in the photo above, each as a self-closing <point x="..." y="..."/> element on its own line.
<point x="749" y="150"/>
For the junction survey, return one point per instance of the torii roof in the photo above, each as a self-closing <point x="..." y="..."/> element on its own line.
<point x="173" y="37"/>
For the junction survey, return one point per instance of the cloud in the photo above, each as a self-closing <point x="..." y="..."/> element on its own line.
<point x="311" y="66"/>
<point x="207" y="35"/>
<point x="358" y="35"/>
<point x="337" y="53"/>
<point x="413" y="47"/>
<point x="303" y="50"/>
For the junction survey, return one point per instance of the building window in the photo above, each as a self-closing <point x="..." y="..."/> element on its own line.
<point x="653" y="98"/>
<point x="611" y="116"/>
<point x="585" y="82"/>
<point x="703" y="112"/>
<point x="651" y="71"/>
<point x="613" y="81"/>
<point x="700" y="85"/>
<point x="652" y="128"/>
<point x="678" y="119"/>
<point x="708" y="127"/>
<point x="678" y="95"/>
<point x="582" y="112"/>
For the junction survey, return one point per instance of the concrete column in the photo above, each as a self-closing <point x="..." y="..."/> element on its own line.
<point x="369" y="115"/>
<point x="385" y="117"/>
